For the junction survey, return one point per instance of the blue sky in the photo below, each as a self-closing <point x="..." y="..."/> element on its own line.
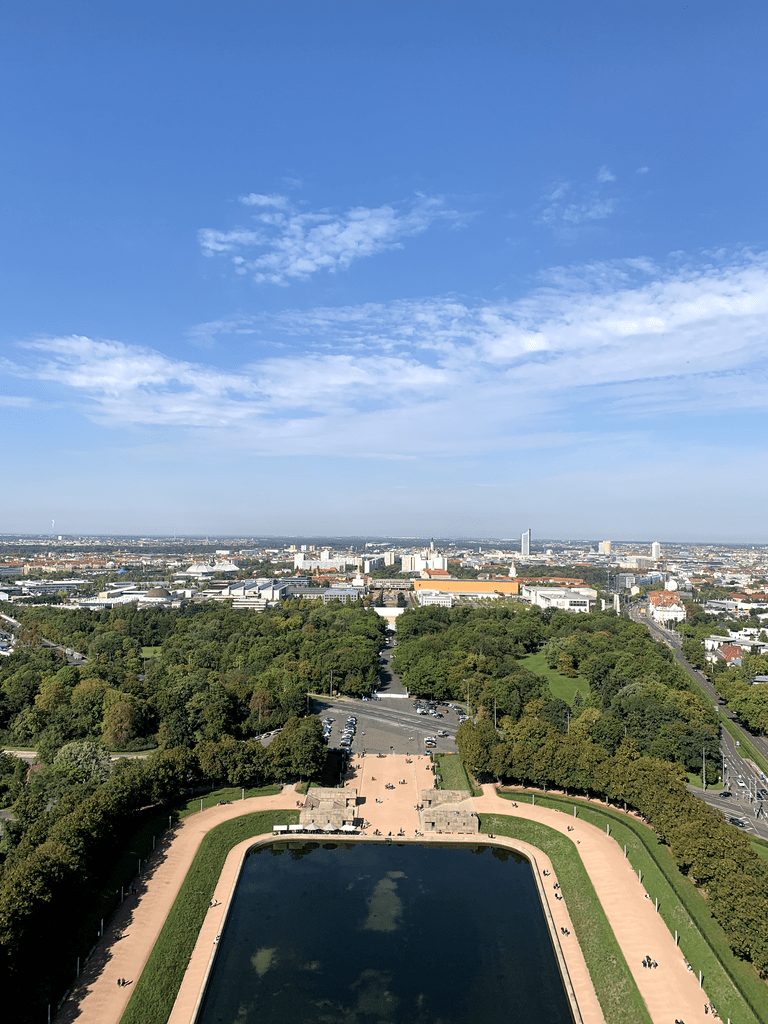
<point x="390" y="268"/>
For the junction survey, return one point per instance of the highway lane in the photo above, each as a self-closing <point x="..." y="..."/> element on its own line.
<point x="745" y="802"/>
<point x="673" y="641"/>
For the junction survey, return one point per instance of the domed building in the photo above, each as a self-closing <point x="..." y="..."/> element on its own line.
<point x="156" y="595"/>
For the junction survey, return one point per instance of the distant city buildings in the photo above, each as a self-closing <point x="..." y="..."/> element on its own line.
<point x="424" y="560"/>
<point x="525" y="543"/>
<point x="656" y="551"/>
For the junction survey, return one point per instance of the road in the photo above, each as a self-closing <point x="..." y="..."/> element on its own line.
<point x="389" y="680"/>
<point x="745" y="802"/>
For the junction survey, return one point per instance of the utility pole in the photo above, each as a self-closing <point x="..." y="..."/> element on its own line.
<point x="330" y="691"/>
<point x="703" y="769"/>
<point x="494" y="712"/>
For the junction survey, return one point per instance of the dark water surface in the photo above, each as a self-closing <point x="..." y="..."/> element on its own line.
<point x="371" y="933"/>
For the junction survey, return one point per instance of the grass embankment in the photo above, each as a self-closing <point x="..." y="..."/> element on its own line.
<point x="453" y="774"/>
<point x="560" y="686"/>
<point x="158" y="986"/>
<point x="230" y="794"/>
<point x="616" y="990"/>
<point x="732" y="984"/>
<point x="746" y="748"/>
<point x="760" y="846"/>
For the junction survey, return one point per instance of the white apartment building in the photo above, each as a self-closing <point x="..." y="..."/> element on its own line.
<point x="430" y="598"/>
<point x="666" y="606"/>
<point x="567" y="599"/>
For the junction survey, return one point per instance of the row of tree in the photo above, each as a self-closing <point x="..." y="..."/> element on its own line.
<point x="716" y="855"/>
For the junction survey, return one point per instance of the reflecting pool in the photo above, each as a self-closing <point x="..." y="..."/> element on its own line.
<point x="372" y="933"/>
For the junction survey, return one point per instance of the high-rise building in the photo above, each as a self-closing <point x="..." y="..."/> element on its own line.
<point x="655" y="551"/>
<point x="604" y="547"/>
<point x="525" y="543"/>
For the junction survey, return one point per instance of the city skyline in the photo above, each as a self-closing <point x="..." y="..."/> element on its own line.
<point x="385" y="272"/>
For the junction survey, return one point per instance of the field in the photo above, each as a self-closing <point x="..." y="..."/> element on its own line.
<point x="560" y="686"/>
<point x="215" y="796"/>
<point x="616" y="990"/>
<point x="732" y="984"/>
<point x="158" y="986"/>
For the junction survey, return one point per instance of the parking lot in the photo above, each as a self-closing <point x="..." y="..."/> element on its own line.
<point x="388" y="726"/>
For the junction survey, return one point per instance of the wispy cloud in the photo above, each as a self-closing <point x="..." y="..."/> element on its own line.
<point x="288" y="244"/>
<point x="255" y="199"/>
<point x="642" y="170"/>
<point x="441" y="376"/>
<point x="566" y="205"/>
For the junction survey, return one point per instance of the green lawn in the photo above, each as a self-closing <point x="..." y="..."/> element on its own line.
<point x="694" y="779"/>
<point x="760" y="846"/>
<point x="216" y="795"/>
<point x="453" y="774"/>
<point x="732" y="984"/>
<point x="150" y="652"/>
<point x="156" y="990"/>
<point x="616" y="990"/>
<point x="560" y="686"/>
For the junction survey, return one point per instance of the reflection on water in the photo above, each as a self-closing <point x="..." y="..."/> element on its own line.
<point x="374" y="933"/>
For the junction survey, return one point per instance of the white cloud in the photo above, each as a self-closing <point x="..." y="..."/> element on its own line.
<point x="568" y="205"/>
<point x="594" y="209"/>
<point x="15" y="401"/>
<point x="254" y="199"/>
<point x="441" y="376"/>
<point x="642" y="170"/>
<point x="288" y="244"/>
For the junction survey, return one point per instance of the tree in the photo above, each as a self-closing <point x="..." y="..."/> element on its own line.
<point x="566" y="665"/>
<point x="476" y="743"/>
<point x="170" y="771"/>
<point x="82" y="761"/>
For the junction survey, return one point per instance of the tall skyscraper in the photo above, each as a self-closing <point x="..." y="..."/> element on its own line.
<point x="655" y="551"/>
<point x="604" y="547"/>
<point x="525" y="543"/>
